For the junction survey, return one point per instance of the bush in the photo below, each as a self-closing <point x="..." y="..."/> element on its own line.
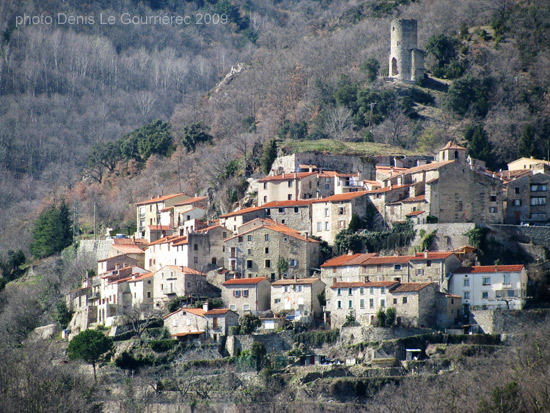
<point x="162" y="346"/>
<point x="420" y="96"/>
<point x="234" y="330"/>
<point x="249" y="323"/>
<point x="317" y="338"/>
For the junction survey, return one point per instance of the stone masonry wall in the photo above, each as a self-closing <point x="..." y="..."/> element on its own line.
<point x="447" y="237"/>
<point x="509" y="321"/>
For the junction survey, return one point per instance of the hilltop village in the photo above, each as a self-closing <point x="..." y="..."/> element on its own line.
<point x="269" y="260"/>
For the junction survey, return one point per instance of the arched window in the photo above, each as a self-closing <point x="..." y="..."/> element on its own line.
<point x="394" y="70"/>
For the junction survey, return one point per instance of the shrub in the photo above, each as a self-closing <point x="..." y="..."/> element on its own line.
<point x="317" y="338"/>
<point x="161" y="346"/>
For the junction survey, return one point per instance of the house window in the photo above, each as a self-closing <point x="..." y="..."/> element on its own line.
<point x="266" y="237"/>
<point x="382" y="303"/>
<point x="350" y="291"/>
<point x="249" y="238"/>
<point x="506" y="279"/>
<point x="232" y="307"/>
<point x="383" y="290"/>
<point x="327" y="186"/>
<point x="395" y="301"/>
<point x="295" y="210"/>
<point x="493" y="198"/>
<point x="162" y="287"/>
<point x="195" y="260"/>
<point x="267" y="263"/>
<point x="265" y="185"/>
<point x="246" y="307"/>
<point x="240" y="239"/>
<point x="516" y="190"/>
<point x="290" y="184"/>
<point x="290" y="197"/>
<point x="371" y="290"/>
<point x="362" y="291"/>
<point x="397" y="267"/>
<point x="493" y="210"/>
<point x="326" y="226"/>
<point x="419" y="271"/>
<point x="466" y="295"/>
<point x="224" y="234"/>
<point x="277" y="300"/>
<point x="466" y="283"/>
<point x="195" y="247"/>
<point x="371" y="302"/>
<point x="319" y="226"/>
<point x="485" y="295"/>
<point x="339" y="304"/>
<point x="339" y="291"/>
<point x="265" y="199"/>
<point x="326" y="212"/>
<point x="237" y="293"/>
<point x="248" y="264"/>
<point x="281" y="210"/>
<point x="148" y="294"/>
<point x="404" y="300"/>
<point x="538" y="187"/>
<point x="516" y="202"/>
<point x="245" y="293"/>
<point x="249" y="251"/>
<point x="538" y="200"/>
<point x="486" y="280"/>
<point x="350" y="304"/>
<point x="429" y="263"/>
<point x="362" y="303"/>
<point x="511" y="293"/>
<point x="266" y="250"/>
<point x="341" y="211"/>
<point x="293" y="263"/>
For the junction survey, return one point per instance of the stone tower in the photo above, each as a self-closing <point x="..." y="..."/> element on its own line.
<point x="406" y="60"/>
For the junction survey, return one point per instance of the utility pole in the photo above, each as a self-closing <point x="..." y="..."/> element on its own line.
<point x="95" y="237"/>
<point x="75" y="220"/>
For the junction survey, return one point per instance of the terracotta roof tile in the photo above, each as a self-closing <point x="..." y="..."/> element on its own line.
<point x="188" y="333"/>
<point x="183" y="269"/>
<point x="244" y="281"/>
<point x="369" y="284"/>
<point x="159" y="227"/>
<point x="159" y="199"/>
<point x="217" y="311"/>
<point x="345" y="260"/>
<point x="299" y="281"/>
<point x="410" y="287"/>
<point x="287" y="177"/>
<point x="481" y="269"/>
<point x="341" y="197"/>
<point x="432" y="255"/>
<point x="414" y="213"/>
<point x="241" y="212"/>
<point x="451" y="145"/>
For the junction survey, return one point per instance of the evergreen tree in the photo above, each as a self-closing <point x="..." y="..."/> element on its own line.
<point x="89" y="346"/>
<point x="269" y="155"/>
<point x="526" y="147"/>
<point x="194" y="134"/>
<point x="479" y="146"/>
<point x="52" y="231"/>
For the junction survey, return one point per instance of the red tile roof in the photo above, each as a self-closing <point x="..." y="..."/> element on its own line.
<point x="192" y="200"/>
<point x="414" y="213"/>
<point x="341" y="197"/>
<point x="345" y="260"/>
<point x="244" y="281"/>
<point x="426" y="167"/>
<point x="217" y="311"/>
<point x="143" y="277"/>
<point x="188" y="333"/>
<point x="451" y="145"/>
<point x="283" y="229"/>
<point x="374" y="284"/>
<point x="183" y="269"/>
<point x="432" y="255"/>
<point x="159" y="227"/>
<point x="387" y="189"/>
<point x="167" y="239"/>
<point x="287" y="177"/>
<point x="282" y="204"/>
<point x="128" y="248"/>
<point x="299" y="281"/>
<point x="159" y="199"/>
<point x="418" y="198"/>
<point x="241" y="212"/>
<point x="481" y="269"/>
<point x="399" y="259"/>
<point x="410" y="287"/>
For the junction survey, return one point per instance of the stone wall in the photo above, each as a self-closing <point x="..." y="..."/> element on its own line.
<point x="273" y="342"/>
<point x="448" y="236"/>
<point x="363" y="334"/>
<point x="509" y="322"/>
<point x="98" y="248"/>
<point x="539" y="235"/>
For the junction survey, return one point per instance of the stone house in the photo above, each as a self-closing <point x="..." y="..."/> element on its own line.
<point x="527" y="198"/>
<point x="421" y="267"/>
<point x="490" y="286"/>
<point x="247" y="295"/>
<point x="287" y="187"/>
<point x="233" y="220"/>
<point x="114" y="263"/>
<point x="455" y="189"/>
<point x="417" y="304"/>
<point x="361" y="299"/>
<point x="522" y="164"/>
<point x="213" y="323"/>
<point x="149" y="212"/>
<point x="173" y="281"/>
<point x="297" y="296"/>
<point x="201" y="250"/>
<point x="141" y="289"/>
<point x="258" y="251"/>
<point x="129" y="247"/>
<point x="333" y="182"/>
<point x="293" y="214"/>
<point x="333" y="214"/>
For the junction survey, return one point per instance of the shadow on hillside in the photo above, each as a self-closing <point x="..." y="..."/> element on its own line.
<point x="433" y="84"/>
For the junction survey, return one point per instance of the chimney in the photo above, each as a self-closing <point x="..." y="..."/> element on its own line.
<point x="205" y="306"/>
<point x="307" y="235"/>
<point x="350" y="252"/>
<point x="425" y="253"/>
<point x="496" y="267"/>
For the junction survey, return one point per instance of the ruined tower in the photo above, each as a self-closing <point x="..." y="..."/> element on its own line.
<point x="406" y="60"/>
